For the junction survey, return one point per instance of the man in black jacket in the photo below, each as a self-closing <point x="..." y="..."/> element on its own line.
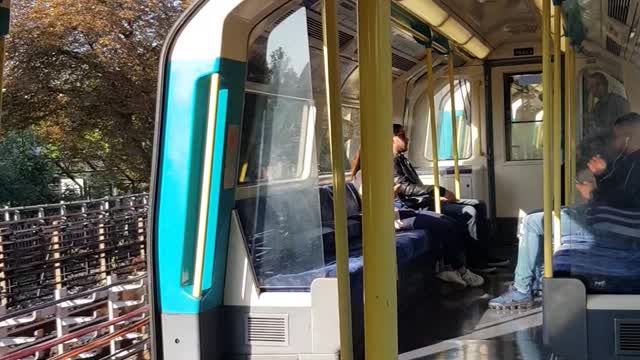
<point x="414" y="194"/>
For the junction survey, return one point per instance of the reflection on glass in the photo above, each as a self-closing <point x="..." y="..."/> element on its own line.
<point x="524" y="117"/>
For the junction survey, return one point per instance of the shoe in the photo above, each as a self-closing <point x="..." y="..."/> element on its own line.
<point x="512" y="299"/>
<point x="494" y="261"/>
<point x="472" y="279"/>
<point x="451" y="277"/>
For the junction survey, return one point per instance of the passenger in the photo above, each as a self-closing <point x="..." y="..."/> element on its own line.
<point x="617" y="185"/>
<point x="412" y="193"/>
<point x="442" y="227"/>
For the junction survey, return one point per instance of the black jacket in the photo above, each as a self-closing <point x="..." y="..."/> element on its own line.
<point x="619" y="186"/>
<point x="405" y="175"/>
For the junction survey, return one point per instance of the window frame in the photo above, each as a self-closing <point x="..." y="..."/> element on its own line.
<point x="508" y="115"/>
<point x="307" y="138"/>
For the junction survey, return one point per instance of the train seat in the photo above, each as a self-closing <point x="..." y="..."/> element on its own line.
<point x="270" y="219"/>
<point x="608" y="259"/>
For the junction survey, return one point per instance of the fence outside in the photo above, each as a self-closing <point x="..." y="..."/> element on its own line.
<point x="70" y="274"/>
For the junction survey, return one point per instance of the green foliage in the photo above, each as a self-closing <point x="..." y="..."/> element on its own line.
<point x="83" y="75"/>
<point x="26" y="174"/>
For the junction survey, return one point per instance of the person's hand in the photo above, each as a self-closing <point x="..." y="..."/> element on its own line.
<point x="586" y="189"/>
<point x="449" y="197"/>
<point x="396" y="188"/>
<point x="597" y="165"/>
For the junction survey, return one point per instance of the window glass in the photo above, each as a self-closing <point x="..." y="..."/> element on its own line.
<point x="524" y="116"/>
<point x="604" y="101"/>
<point x="281" y="219"/>
<point x="445" y="123"/>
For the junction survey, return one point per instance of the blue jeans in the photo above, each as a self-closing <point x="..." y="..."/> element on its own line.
<point x="531" y="244"/>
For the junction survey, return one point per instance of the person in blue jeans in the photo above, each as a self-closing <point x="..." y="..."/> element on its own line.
<point x="617" y="185"/>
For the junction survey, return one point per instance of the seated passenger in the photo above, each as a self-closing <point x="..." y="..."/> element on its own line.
<point x="443" y="228"/>
<point x="617" y="185"/>
<point x="412" y="193"/>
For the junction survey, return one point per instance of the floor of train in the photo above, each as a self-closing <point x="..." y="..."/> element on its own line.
<point x="457" y="324"/>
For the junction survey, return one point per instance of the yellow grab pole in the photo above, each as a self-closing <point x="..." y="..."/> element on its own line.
<point x="454" y="126"/>
<point x="548" y="137"/>
<point x="434" y="131"/>
<point x="568" y="124"/>
<point x="380" y="304"/>
<point x="572" y="112"/>
<point x="557" y="125"/>
<point x="334" y="104"/>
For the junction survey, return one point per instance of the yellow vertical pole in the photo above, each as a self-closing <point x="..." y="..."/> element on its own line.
<point x="434" y="130"/>
<point x="548" y="137"/>
<point x="573" y="111"/>
<point x="454" y="127"/>
<point x="557" y="124"/>
<point x="380" y="304"/>
<point x="568" y="124"/>
<point x="334" y="104"/>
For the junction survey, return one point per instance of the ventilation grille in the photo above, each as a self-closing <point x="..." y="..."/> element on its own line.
<point x="627" y="337"/>
<point x="613" y="47"/>
<point x="619" y="10"/>
<point x="401" y="63"/>
<point x="268" y="329"/>
<point x="285" y="16"/>
<point x="314" y="28"/>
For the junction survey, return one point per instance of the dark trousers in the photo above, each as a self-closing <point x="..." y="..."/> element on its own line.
<point x="443" y="229"/>
<point x="472" y="215"/>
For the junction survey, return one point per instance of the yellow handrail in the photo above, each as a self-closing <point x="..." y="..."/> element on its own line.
<point x="334" y="104"/>
<point x="434" y="131"/>
<point x="548" y="137"/>
<point x="205" y="189"/>
<point x="454" y="126"/>
<point x="573" y="107"/>
<point x="380" y="273"/>
<point x="557" y="129"/>
<point x="568" y="124"/>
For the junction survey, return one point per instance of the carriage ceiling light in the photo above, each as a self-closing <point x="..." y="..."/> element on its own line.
<point x="427" y="10"/>
<point x="456" y="31"/>
<point x="435" y="16"/>
<point x="477" y="48"/>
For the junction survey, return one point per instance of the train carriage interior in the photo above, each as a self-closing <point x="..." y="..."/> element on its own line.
<point x="246" y="259"/>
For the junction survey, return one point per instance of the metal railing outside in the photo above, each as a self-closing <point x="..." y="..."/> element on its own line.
<point x="71" y="266"/>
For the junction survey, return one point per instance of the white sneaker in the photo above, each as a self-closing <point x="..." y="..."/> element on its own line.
<point x="451" y="277"/>
<point x="472" y="279"/>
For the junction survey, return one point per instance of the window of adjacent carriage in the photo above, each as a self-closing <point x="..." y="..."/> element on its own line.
<point x="445" y="123"/>
<point x="523" y="127"/>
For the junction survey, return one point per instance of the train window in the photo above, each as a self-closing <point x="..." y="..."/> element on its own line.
<point x="523" y="112"/>
<point x="281" y="215"/>
<point x="444" y="122"/>
<point x="278" y="105"/>
<point x="351" y="121"/>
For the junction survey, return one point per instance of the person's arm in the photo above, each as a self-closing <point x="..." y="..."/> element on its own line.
<point x="406" y="188"/>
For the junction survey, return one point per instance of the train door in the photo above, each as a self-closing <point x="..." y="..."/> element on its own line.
<point x="517" y="141"/>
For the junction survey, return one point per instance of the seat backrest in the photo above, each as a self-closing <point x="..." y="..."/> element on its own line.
<point x="352" y="199"/>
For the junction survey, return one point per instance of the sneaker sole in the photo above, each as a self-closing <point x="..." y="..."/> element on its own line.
<point x="484" y="270"/>
<point x="517" y="306"/>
